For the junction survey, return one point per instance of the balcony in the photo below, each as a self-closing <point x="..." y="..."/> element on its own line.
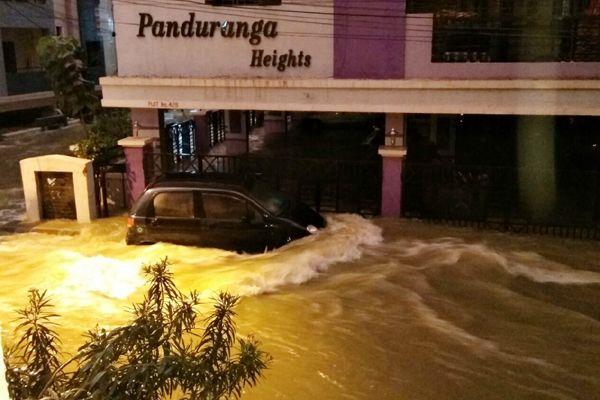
<point x="468" y="37"/>
<point x="26" y="82"/>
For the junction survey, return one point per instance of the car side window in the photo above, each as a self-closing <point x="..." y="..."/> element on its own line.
<point x="254" y="215"/>
<point x="174" y="205"/>
<point x="224" y="206"/>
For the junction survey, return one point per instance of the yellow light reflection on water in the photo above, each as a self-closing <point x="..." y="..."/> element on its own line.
<point x="103" y="275"/>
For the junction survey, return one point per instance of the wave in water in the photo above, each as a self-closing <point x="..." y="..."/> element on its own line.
<point x="453" y="252"/>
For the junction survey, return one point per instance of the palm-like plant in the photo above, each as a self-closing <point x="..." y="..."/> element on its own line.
<point x="160" y="353"/>
<point x="36" y="354"/>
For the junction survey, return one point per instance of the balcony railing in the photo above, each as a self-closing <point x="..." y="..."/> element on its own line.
<point x="26" y="82"/>
<point x="469" y="37"/>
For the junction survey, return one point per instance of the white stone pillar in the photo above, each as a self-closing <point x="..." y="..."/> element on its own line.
<point x="83" y="184"/>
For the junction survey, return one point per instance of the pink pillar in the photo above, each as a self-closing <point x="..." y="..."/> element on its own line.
<point x="391" y="185"/>
<point x="393" y="160"/>
<point x="134" y="149"/>
<point x="236" y="137"/>
<point x="202" y="132"/>
<point x="148" y="121"/>
<point x="274" y="123"/>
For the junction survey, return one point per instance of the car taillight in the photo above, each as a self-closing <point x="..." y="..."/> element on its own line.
<point x="130" y="222"/>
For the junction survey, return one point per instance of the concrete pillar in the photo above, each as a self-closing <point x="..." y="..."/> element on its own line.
<point x="537" y="174"/>
<point x="236" y="135"/>
<point x="202" y="139"/>
<point x="393" y="160"/>
<point x="148" y="122"/>
<point x="134" y="149"/>
<point x="274" y="122"/>
<point x="3" y="87"/>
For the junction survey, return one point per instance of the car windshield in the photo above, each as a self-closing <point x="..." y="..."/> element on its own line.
<point x="275" y="202"/>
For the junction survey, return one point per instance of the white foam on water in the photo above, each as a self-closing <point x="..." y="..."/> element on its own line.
<point x="450" y="252"/>
<point x="344" y="240"/>
<point x="431" y="319"/>
<point x="97" y="274"/>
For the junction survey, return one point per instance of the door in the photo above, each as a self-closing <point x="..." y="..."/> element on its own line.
<point x="173" y="218"/>
<point x="235" y="223"/>
<point x="57" y="195"/>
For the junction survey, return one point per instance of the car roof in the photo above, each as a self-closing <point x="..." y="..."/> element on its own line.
<point x="212" y="181"/>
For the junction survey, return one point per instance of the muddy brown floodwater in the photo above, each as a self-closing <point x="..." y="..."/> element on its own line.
<point x="381" y="309"/>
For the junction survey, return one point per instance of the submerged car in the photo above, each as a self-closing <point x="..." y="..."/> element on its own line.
<point x="219" y="213"/>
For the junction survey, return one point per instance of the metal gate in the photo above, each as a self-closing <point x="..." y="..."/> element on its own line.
<point x="57" y="195"/>
<point x="110" y="182"/>
<point x="489" y="197"/>
<point x="327" y="185"/>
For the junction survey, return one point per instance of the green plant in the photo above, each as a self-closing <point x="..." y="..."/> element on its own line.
<point x="61" y="60"/>
<point x="160" y="353"/>
<point x="36" y="354"/>
<point x="100" y="144"/>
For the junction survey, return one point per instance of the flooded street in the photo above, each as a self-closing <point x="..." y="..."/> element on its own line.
<point x="382" y="309"/>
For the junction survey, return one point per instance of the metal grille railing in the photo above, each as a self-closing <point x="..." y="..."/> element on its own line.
<point x="495" y="198"/>
<point x="327" y="185"/>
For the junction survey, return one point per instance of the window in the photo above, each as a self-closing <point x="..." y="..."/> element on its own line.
<point x="95" y="53"/>
<point x="174" y="205"/>
<point x="183" y="138"/>
<point x="222" y="206"/>
<point x="243" y="2"/>
<point x="10" y="57"/>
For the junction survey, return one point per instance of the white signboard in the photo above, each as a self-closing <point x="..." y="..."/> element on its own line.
<point x="193" y="39"/>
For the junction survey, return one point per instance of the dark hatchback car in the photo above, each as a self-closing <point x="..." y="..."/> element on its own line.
<point x="219" y="213"/>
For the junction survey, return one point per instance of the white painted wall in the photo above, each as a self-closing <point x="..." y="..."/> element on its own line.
<point x="223" y="57"/>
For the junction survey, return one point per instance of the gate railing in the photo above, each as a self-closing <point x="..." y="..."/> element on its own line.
<point x="103" y="173"/>
<point x="327" y="185"/>
<point x="493" y="197"/>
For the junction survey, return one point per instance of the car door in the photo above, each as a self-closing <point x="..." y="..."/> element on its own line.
<point x="235" y="223"/>
<point x="173" y="217"/>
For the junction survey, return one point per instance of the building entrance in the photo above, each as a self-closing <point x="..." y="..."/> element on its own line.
<point x="328" y="161"/>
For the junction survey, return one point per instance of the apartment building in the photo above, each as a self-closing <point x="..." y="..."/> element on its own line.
<point x="488" y="83"/>
<point x="23" y="84"/>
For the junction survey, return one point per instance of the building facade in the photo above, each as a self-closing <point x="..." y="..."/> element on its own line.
<point x="446" y="74"/>
<point x="23" y="23"/>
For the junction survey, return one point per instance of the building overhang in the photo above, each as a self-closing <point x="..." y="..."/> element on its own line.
<point x="27" y="101"/>
<point x="525" y="97"/>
